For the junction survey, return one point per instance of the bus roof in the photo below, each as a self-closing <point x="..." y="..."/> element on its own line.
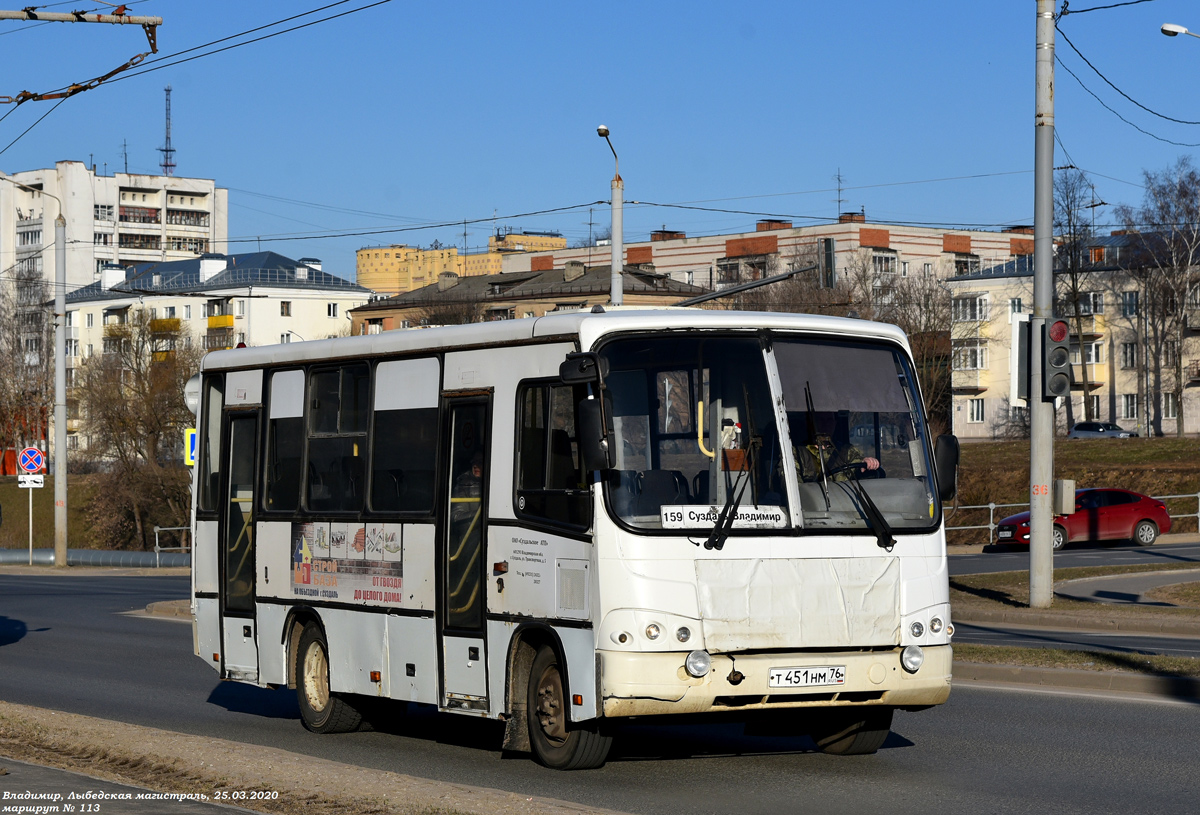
<point x="585" y="327"/>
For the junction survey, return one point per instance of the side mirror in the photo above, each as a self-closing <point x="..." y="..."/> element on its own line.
<point x="595" y="435"/>
<point x="945" y="463"/>
<point x="582" y="368"/>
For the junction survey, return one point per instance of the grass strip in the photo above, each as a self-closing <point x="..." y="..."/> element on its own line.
<point x="1149" y="664"/>
<point x="1009" y="591"/>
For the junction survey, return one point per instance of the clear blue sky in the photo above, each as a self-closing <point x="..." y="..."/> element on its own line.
<point x="408" y="114"/>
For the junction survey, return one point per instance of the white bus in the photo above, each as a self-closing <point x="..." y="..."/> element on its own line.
<point x="562" y="521"/>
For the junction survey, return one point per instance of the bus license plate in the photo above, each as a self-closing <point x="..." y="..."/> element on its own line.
<point x="807" y="677"/>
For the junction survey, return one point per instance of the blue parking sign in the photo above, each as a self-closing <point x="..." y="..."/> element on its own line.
<point x="189" y="447"/>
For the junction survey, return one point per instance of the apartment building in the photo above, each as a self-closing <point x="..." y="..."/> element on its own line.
<point x="1126" y="348"/>
<point x="887" y="253"/>
<point x="123" y="218"/>
<point x="398" y="268"/>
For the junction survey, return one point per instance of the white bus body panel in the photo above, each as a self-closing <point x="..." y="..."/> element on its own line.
<point x="208" y="629"/>
<point x="465" y="677"/>
<point x="412" y="641"/>
<point x="272" y="644"/>
<point x="240" y="654"/>
<point x="357" y="646"/>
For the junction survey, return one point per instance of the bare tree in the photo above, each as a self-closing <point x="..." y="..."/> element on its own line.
<point x="451" y="312"/>
<point x="1166" y="232"/>
<point x="131" y="401"/>
<point x="26" y="358"/>
<point x="1072" y="195"/>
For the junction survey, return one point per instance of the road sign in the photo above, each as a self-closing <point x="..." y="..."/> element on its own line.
<point x="31" y="460"/>
<point x="31" y="481"/>
<point x="189" y="447"/>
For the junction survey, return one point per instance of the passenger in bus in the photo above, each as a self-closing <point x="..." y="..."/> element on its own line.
<point x="838" y="458"/>
<point x="468" y="485"/>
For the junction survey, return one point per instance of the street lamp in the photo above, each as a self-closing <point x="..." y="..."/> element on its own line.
<point x="1172" y="30"/>
<point x="618" y="247"/>
<point x="60" y="376"/>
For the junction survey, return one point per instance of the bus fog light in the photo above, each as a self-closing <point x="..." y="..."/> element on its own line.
<point x="917" y="629"/>
<point x="698" y="663"/>
<point x="683" y="634"/>
<point x="911" y="658"/>
<point x="652" y="631"/>
<point x="935" y="625"/>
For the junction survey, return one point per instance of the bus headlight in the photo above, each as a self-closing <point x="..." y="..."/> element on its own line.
<point x="917" y="629"/>
<point x="652" y="631"/>
<point x="698" y="663"/>
<point x="683" y="634"/>
<point x="911" y="658"/>
<point x="935" y="625"/>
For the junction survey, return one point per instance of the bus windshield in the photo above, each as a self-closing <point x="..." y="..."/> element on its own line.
<point x="696" y="430"/>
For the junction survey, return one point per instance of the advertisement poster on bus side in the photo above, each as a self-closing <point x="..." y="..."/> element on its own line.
<point x="349" y="562"/>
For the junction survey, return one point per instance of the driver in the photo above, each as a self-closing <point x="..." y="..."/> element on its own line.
<point x="839" y="459"/>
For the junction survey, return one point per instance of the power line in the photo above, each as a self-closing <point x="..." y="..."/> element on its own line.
<point x="1108" y="82"/>
<point x="1118" y="115"/>
<point x="35" y="124"/>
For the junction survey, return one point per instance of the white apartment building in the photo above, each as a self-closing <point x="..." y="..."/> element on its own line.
<point x="124" y="218"/>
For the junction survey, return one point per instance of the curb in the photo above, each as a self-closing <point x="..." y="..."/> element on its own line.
<point x="1080" y="622"/>
<point x="1173" y="687"/>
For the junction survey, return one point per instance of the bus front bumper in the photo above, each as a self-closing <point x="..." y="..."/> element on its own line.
<point x="650" y="684"/>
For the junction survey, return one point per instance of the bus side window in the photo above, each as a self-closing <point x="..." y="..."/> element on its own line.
<point x="405" y="450"/>
<point x="210" y="443"/>
<point x="337" y="435"/>
<point x="550" y="481"/>
<point x="285" y="442"/>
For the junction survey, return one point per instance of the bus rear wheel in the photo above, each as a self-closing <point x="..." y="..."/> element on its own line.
<point x="852" y="731"/>
<point x="321" y="711"/>
<point x="555" y="743"/>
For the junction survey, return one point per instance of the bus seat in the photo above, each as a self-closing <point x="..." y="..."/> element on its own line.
<point x="658" y="488"/>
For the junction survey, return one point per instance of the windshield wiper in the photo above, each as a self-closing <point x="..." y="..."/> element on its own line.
<point x="873" y="515"/>
<point x="720" y="531"/>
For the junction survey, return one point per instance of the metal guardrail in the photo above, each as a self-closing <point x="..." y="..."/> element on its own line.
<point x="991" y="525"/>
<point x="158" y="549"/>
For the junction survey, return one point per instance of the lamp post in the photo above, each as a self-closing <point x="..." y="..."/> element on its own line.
<point x="618" y="246"/>
<point x="1172" y="30"/>
<point x="60" y="377"/>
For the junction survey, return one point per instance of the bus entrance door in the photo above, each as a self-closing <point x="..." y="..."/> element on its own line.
<point x="463" y="533"/>
<point x="237" y="550"/>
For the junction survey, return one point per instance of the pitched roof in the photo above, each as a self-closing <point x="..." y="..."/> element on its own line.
<point x="484" y="289"/>
<point x="182" y="277"/>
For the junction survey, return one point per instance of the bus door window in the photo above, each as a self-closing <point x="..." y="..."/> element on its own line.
<point x="239" y="518"/>
<point x="463" y="573"/>
<point x="210" y="444"/>
<point x="550" y="483"/>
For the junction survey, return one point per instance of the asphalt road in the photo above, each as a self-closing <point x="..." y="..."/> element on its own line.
<point x="1031" y="637"/>
<point x="1101" y="554"/>
<point x="65" y="645"/>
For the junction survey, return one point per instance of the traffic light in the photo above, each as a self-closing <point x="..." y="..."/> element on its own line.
<point x="1056" y="360"/>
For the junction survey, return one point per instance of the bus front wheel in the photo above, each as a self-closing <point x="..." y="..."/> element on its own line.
<point x="321" y="711"/>
<point x="852" y="731"/>
<point x="555" y="742"/>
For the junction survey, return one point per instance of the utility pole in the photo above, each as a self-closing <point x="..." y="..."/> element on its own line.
<point x="60" y="389"/>
<point x="1041" y="409"/>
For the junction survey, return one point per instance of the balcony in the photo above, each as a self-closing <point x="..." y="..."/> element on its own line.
<point x="219" y="321"/>
<point x="1097" y="374"/>
<point x="167" y="325"/>
<point x="971" y="381"/>
<point x="1193" y="371"/>
<point x="218" y="339"/>
<point x="1092" y="325"/>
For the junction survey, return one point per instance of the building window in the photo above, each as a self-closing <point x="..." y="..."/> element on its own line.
<point x="31" y="237"/>
<point x="1014" y="305"/>
<point x="1095" y="400"/>
<point x="241" y="308"/>
<point x="966" y="309"/>
<point x="102" y="238"/>
<point x="1129" y="355"/>
<point x="241" y="337"/>
<point x="285" y="338"/>
<point x="1129" y="406"/>
<point x="1129" y="303"/>
<point x="1093" y="353"/>
<point x="331" y="309"/>
<point x="169" y="312"/>
<point x="904" y="268"/>
<point x="966" y="264"/>
<point x="970" y="356"/>
<point x="1170" y="353"/>
<point x="131" y="240"/>
<point x="974" y="411"/>
<point x="90" y="319"/>
<point x="927" y="269"/>
<point x="72" y="348"/>
<point x="139" y="215"/>
<point x="1170" y="406"/>
<point x="285" y="308"/>
<point x="197" y="246"/>
<point x="187" y="312"/>
<point x="179" y="217"/>
<point x="883" y="264"/>
<point x="103" y="212"/>
<point x="1091" y="302"/>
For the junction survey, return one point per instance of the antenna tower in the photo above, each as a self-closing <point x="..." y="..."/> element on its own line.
<point x="168" y="163"/>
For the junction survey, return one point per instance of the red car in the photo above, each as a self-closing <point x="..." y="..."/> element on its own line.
<point x="1100" y="514"/>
